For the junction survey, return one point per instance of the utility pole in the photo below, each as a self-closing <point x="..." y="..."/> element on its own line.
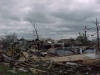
<point x="85" y="32"/>
<point x="97" y="35"/>
<point x="85" y="35"/>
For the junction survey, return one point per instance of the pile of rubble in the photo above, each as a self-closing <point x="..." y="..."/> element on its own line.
<point x="28" y="62"/>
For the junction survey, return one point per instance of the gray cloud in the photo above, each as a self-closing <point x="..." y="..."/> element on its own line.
<point x="54" y="18"/>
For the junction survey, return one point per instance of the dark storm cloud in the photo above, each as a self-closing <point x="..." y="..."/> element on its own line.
<point x="54" y="18"/>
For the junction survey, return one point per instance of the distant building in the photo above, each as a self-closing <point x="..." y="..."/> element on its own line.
<point x="69" y="42"/>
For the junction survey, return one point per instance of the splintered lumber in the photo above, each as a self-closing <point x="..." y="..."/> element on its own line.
<point x="33" y="70"/>
<point x="91" y="61"/>
<point x="22" y="58"/>
<point x="26" y="54"/>
<point x="84" y="58"/>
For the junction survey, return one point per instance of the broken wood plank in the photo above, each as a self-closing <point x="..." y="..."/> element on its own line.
<point x="85" y="58"/>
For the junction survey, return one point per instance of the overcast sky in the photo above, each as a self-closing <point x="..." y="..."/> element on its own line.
<point x="54" y="18"/>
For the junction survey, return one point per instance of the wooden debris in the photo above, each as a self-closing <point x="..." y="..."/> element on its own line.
<point x="71" y="58"/>
<point x="33" y="70"/>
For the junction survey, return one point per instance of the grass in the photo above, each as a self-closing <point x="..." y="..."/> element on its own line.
<point x="4" y="71"/>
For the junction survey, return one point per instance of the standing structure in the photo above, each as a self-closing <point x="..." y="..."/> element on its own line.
<point x="36" y="32"/>
<point x="85" y="32"/>
<point x="97" y="27"/>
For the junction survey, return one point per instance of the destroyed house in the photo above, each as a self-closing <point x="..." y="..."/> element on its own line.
<point x="25" y="44"/>
<point x="69" y="42"/>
